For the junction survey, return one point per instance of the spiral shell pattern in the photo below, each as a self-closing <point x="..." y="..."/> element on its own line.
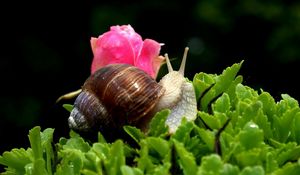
<point x="123" y="94"/>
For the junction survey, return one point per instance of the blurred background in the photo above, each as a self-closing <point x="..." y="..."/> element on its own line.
<point x="45" y="50"/>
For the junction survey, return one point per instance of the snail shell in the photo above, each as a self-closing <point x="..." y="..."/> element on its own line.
<point x="120" y="94"/>
<point x="117" y="94"/>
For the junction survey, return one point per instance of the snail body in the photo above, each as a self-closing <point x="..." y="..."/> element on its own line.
<point x="121" y="94"/>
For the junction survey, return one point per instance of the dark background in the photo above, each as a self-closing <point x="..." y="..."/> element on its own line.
<point x="45" y="50"/>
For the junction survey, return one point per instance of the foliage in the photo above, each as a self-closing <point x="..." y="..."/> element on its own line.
<point x="238" y="131"/>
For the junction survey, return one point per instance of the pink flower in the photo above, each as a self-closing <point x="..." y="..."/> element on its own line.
<point x="122" y="45"/>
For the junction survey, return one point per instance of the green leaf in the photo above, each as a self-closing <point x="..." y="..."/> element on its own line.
<point x="47" y="138"/>
<point x="144" y="161"/>
<point x="186" y="159"/>
<point x="35" y="138"/>
<point x="197" y="147"/>
<point x="32" y="160"/>
<point x="202" y="82"/>
<point x="135" y="133"/>
<point x="291" y="102"/>
<point x="245" y="93"/>
<point x="158" y="145"/>
<point x="223" y="82"/>
<point x="126" y="170"/>
<point x="17" y="159"/>
<point x="289" y="168"/>
<point x="35" y="142"/>
<point x="295" y="128"/>
<point x="269" y="105"/>
<point x="287" y="103"/>
<point x="282" y="124"/>
<point x="229" y="169"/>
<point x="92" y="164"/>
<point x="271" y="163"/>
<point x="116" y="159"/>
<point x="262" y="120"/>
<point x="213" y="164"/>
<point x="249" y="157"/>
<point x="101" y="138"/>
<point x="210" y="120"/>
<point x="153" y="158"/>
<point x="207" y="136"/>
<point x="250" y="149"/>
<point x="182" y="134"/>
<point x="157" y="124"/>
<point x="68" y="107"/>
<point x="162" y="169"/>
<point x="88" y="172"/>
<point x="71" y="163"/>
<point x="129" y="152"/>
<point x="39" y="167"/>
<point x="101" y="150"/>
<point x="222" y="104"/>
<point x="256" y="170"/>
<point x="251" y="136"/>
<point x="232" y="88"/>
<point x="287" y="152"/>
<point x="76" y="142"/>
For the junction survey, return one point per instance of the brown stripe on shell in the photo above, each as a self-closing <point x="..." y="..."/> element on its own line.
<point x="127" y="92"/>
<point x="91" y="108"/>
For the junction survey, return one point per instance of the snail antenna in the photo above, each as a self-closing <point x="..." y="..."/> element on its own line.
<point x="170" y="69"/>
<point x="182" y="66"/>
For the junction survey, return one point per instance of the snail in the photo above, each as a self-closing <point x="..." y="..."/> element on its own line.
<point x="121" y="94"/>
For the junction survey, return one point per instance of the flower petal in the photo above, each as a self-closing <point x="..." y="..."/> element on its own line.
<point x="123" y="45"/>
<point x="157" y="63"/>
<point x="93" y="42"/>
<point x="148" y="60"/>
<point x="111" y="47"/>
<point x="134" y="38"/>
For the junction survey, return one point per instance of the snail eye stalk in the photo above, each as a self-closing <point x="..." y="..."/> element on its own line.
<point x="183" y="62"/>
<point x="170" y="69"/>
